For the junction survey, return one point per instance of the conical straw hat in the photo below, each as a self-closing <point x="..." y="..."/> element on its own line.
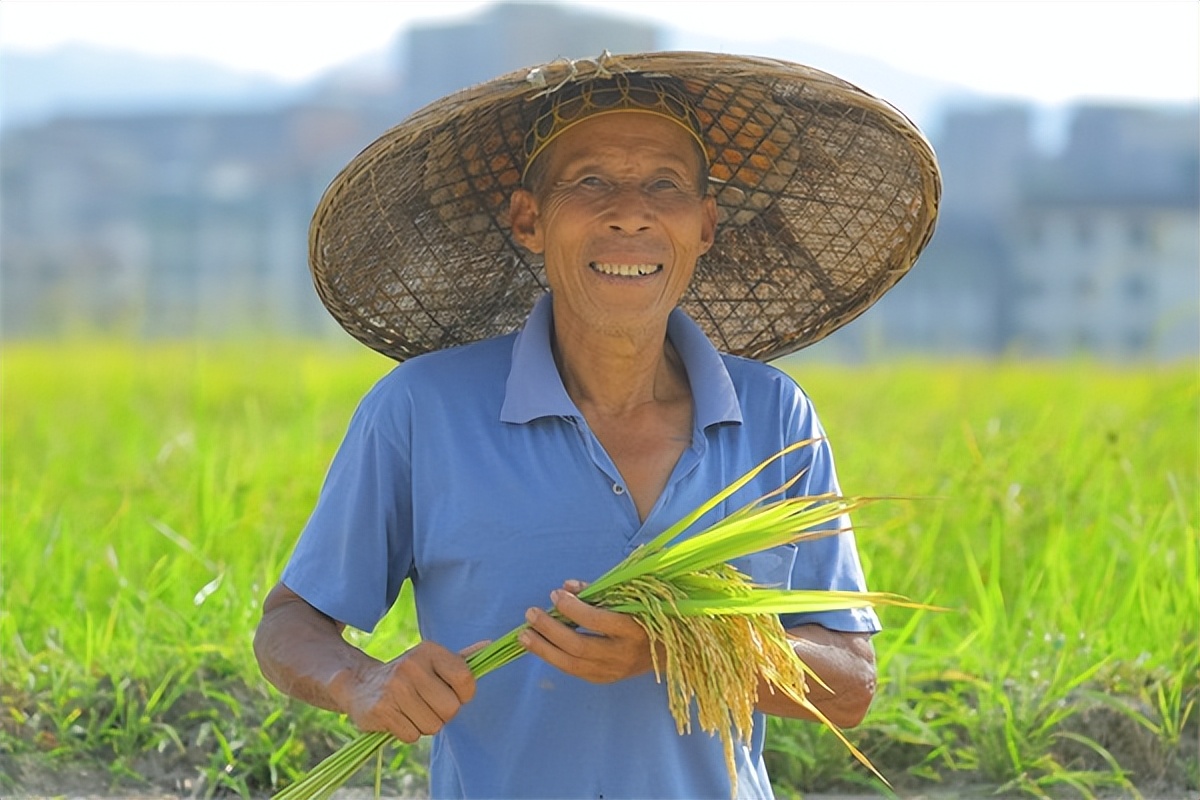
<point x="826" y="197"/>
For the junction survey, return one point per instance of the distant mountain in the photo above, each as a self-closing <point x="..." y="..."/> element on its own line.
<point x="84" y="79"/>
<point x="922" y="98"/>
<point x="81" y="79"/>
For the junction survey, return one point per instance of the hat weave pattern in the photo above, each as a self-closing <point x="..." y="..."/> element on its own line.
<point x="629" y="91"/>
<point x="825" y="194"/>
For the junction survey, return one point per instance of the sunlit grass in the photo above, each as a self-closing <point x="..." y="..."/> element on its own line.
<point x="1061" y="520"/>
<point x="150" y="496"/>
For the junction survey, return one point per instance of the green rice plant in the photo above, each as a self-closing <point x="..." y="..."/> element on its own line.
<point x="718" y="631"/>
<point x="1065" y="531"/>
<point x="1074" y="485"/>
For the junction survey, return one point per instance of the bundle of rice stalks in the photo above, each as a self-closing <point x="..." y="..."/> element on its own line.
<point x="717" y="632"/>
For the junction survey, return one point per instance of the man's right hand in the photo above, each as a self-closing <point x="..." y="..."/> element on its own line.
<point x="302" y="652"/>
<point x="410" y="696"/>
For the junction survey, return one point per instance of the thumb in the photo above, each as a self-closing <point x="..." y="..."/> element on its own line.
<point x="471" y="650"/>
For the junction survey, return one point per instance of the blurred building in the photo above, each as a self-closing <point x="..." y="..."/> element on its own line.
<point x="191" y="223"/>
<point x="171" y="224"/>
<point x="1107" y="241"/>
<point x="197" y="223"/>
<point x="1094" y="250"/>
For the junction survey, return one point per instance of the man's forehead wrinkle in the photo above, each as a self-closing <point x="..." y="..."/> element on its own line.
<point x="621" y="159"/>
<point x="600" y="155"/>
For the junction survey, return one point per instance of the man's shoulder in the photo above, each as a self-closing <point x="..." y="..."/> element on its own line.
<point x="768" y="392"/>
<point x="748" y="373"/>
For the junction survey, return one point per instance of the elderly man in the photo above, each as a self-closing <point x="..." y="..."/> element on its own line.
<point x="499" y="475"/>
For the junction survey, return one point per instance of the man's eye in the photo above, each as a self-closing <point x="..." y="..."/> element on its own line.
<point x="591" y="181"/>
<point x="664" y="184"/>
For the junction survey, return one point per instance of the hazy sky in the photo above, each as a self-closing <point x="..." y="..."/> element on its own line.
<point x="1048" y="50"/>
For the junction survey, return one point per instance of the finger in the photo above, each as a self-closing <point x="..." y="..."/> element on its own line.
<point x="570" y="653"/>
<point x="427" y="701"/>
<point x="401" y="713"/>
<point x="409" y="723"/>
<point x="430" y="683"/>
<point x="387" y="716"/>
<point x="606" y="623"/>
<point x="399" y="725"/>
<point x="555" y="633"/>
<point x="599" y="659"/>
<point x="452" y="670"/>
<point x="471" y="650"/>
<point x="538" y="645"/>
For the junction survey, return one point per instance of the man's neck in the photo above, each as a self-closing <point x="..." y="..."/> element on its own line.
<point x="615" y="374"/>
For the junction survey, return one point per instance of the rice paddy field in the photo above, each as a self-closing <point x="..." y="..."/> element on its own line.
<point x="151" y="493"/>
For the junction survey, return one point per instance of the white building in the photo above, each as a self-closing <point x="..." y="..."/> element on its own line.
<point x="1116" y="280"/>
<point x="1106" y="247"/>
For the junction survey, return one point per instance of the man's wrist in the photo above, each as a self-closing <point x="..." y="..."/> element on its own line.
<point x="344" y="685"/>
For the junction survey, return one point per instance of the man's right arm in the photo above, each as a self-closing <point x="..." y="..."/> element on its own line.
<point x="302" y="653"/>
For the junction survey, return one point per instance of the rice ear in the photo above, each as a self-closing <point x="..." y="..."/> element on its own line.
<point x="717" y="631"/>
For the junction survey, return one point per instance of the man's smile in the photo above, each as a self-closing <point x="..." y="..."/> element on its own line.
<point x="625" y="270"/>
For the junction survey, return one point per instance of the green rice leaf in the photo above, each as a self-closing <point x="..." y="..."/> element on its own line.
<point x="783" y="522"/>
<point x="664" y="538"/>
<point x="692" y="577"/>
<point x="773" y="601"/>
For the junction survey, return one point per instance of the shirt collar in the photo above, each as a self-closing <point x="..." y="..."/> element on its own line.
<point x="535" y="388"/>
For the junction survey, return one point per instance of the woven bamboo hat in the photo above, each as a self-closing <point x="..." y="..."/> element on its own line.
<point x="825" y="194"/>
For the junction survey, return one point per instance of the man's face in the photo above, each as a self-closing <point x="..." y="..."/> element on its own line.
<point x="620" y="219"/>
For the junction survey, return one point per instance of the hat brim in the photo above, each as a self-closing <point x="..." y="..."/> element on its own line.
<point x="826" y="195"/>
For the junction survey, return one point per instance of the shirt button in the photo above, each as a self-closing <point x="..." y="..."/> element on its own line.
<point x="618" y="489"/>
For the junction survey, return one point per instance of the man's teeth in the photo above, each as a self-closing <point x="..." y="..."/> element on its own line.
<point x="626" y="270"/>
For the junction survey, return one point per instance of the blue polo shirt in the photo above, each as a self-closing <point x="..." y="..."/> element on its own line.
<point x="471" y="473"/>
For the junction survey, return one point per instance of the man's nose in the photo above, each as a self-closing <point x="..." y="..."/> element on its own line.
<point x="630" y="209"/>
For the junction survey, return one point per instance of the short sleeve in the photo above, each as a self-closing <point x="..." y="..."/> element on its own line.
<point x="356" y="549"/>
<point x="830" y="562"/>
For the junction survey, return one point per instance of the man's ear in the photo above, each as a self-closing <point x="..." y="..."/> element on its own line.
<point x="524" y="217"/>
<point x="708" y="231"/>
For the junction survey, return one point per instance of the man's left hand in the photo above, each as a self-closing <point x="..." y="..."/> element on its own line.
<point x="608" y="647"/>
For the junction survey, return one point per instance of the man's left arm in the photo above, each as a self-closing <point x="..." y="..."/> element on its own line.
<point x="844" y="661"/>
